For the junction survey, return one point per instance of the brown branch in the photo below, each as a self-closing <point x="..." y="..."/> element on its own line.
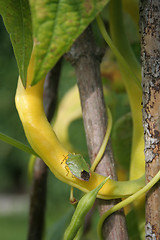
<point x="39" y="186"/>
<point x="150" y="44"/>
<point x="85" y="57"/>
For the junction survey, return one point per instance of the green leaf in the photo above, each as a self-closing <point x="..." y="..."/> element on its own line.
<point x="132" y="225"/>
<point x="17" y="19"/>
<point x="122" y="140"/>
<point x="56" y="24"/>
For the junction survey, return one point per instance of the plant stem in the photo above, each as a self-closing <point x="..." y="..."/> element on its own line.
<point x="122" y="43"/>
<point x="127" y="201"/>
<point x="137" y="163"/>
<point x="118" y="54"/>
<point x="16" y="143"/>
<point x="105" y="141"/>
<point x="134" y="92"/>
<point x="85" y="56"/>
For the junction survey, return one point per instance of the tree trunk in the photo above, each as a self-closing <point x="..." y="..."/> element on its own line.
<point x="150" y="44"/>
<point x="85" y="57"/>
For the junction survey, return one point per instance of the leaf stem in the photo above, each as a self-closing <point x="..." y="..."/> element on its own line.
<point x="105" y="141"/>
<point x="119" y="56"/>
<point x="126" y="202"/>
<point x="16" y="143"/>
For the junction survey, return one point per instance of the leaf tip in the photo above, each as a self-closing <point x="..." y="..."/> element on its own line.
<point x="24" y="81"/>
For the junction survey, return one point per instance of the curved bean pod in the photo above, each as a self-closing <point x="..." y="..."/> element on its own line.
<point x="42" y="138"/>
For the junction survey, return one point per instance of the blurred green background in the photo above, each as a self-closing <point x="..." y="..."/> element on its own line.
<point x="14" y="183"/>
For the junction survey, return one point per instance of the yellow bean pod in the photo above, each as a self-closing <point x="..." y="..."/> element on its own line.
<point x="42" y="138"/>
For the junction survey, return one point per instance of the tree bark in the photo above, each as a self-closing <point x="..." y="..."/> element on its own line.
<point x="39" y="186"/>
<point x="86" y="57"/>
<point x="150" y="45"/>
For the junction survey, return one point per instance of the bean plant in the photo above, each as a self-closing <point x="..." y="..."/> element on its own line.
<point x="41" y="33"/>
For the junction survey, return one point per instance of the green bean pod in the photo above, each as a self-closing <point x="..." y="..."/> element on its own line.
<point x="79" y="233"/>
<point x="84" y="205"/>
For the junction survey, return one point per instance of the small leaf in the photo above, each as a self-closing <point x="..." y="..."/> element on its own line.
<point x="17" y="20"/>
<point x="56" y="24"/>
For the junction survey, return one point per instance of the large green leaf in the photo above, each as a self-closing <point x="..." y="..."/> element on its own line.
<point x="56" y="24"/>
<point x="17" y="19"/>
<point x="122" y="140"/>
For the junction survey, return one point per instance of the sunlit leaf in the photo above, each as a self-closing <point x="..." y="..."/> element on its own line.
<point x="56" y="24"/>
